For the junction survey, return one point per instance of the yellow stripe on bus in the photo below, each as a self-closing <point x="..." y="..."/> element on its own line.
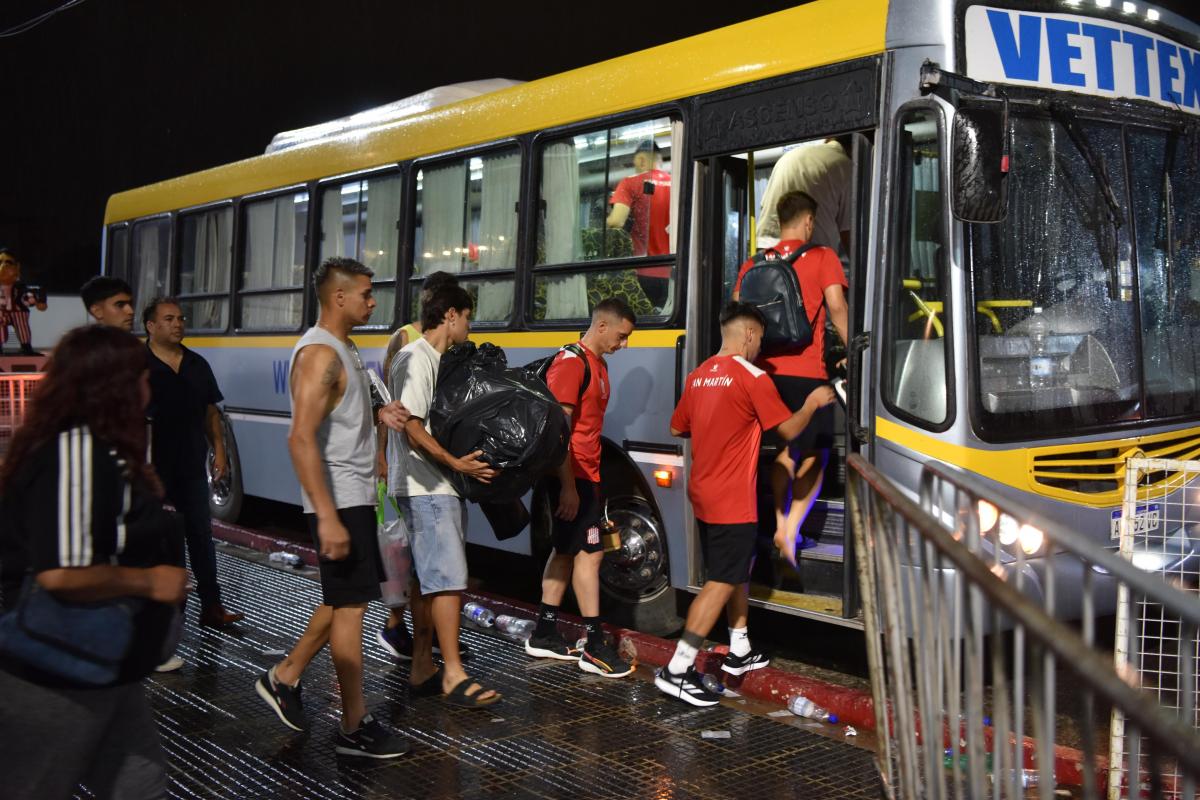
<point x="811" y="35"/>
<point x="516" y="339"/>
<point x="1009" y="467"/>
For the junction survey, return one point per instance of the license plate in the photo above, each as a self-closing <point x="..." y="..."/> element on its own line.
<point x="1145" y="519"/>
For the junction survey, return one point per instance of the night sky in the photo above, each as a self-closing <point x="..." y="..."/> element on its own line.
<point x="112" y="94"/>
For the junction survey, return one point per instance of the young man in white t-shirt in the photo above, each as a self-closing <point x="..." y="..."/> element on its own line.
<point x="436" y="517"/>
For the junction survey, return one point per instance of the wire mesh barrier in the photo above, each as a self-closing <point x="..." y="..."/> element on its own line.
<point x="961" y="598"/>
<point x="1159" y="532"/>
<point x="15" y="389"/>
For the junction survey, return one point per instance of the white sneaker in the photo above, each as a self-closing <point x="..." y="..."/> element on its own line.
<point x="170" y="665"/>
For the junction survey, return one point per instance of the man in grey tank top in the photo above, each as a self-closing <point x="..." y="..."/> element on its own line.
<point x="332" y="445"/>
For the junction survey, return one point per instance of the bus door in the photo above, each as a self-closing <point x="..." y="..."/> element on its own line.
<point x="735" y="227"/>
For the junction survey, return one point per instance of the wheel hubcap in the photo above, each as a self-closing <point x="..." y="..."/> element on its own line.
<point x="638" y="566"/>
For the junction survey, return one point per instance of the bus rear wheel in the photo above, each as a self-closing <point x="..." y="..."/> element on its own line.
<point x="225" y="496"/>
<point x="635" y="581"/>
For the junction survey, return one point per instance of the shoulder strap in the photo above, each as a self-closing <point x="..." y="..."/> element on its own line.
<point x="790" y="258"/>
<point x="577" y="349"/>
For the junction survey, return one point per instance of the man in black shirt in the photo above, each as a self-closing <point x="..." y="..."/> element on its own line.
<point x="184" y="420"/>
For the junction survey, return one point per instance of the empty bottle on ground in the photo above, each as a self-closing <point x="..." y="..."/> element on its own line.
<point x="515" y="627"/>
<point x="801" y="706"/>
<point x="480" y="615"/>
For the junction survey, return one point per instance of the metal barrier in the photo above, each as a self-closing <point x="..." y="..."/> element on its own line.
<point x="959" y="622"/>
<point x="1159" y="531"/>
<point x="15" y="389"/>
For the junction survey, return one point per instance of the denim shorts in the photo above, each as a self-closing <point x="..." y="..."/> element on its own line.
<point x="437" y="526"/>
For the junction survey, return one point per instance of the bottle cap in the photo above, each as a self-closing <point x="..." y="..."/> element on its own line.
<point x="833" y="718"/>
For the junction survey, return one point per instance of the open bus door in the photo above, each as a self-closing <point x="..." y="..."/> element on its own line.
<point x="822" y="585"/>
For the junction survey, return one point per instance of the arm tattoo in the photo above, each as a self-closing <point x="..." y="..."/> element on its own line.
<point x="330" y="376"/>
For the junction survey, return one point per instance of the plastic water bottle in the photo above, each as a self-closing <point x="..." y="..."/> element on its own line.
<point x="515" y="627"/>
<point x="480" y="615"/>
<point x="1025" y="778"/>
<point x="287" y="559"/>
<point x="1040" y="365"/>
<point x="801" y="706"/>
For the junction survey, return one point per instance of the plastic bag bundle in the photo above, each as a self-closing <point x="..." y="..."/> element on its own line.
<point x="481" y="404"/>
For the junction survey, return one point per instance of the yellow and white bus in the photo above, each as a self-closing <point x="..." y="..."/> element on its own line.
<point x="1021" y="254"/>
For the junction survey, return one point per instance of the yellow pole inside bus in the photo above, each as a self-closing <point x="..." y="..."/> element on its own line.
<point x="752" y="203"/>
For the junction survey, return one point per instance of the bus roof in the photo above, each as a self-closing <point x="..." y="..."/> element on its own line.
<point x="775" y="44"/>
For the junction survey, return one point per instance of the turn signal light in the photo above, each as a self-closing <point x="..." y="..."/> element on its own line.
<point x="663" y="477"/>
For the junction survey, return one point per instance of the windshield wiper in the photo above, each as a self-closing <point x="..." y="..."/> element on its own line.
<point x="1065" y="116"/>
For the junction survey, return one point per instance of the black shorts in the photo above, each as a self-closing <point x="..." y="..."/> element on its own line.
<point x="728" y="550"/>
<point x="355" y="579"/>
<point x="581" y="534"/>
<point x="818" y="435"/>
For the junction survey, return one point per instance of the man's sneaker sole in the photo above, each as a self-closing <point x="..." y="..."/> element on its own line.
<point x="383" y="642"/>
<point x="266" y="695"/>
<point x="342" y="750"/>
<point x="537" y="652"/>
<point x="671" y="689"/>
<point x="747" y="668"/>
<point x="588" y="666"/>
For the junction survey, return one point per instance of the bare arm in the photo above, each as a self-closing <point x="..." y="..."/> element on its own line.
<point x="469" y="465"/>
<point x="568" y="495"/>
<point x="216" y="439"/>
<point x="839" y="312"/>
<point x="618" y="215"/>
<point x="315" y="377"/>
<point x="794" y="425"/>
<point x="164" y="584"/>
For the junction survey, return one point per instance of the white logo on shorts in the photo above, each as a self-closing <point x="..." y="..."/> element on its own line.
<point x="593" y="535"/>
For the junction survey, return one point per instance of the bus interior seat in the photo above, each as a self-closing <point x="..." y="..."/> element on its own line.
<point x="920" y="377"/>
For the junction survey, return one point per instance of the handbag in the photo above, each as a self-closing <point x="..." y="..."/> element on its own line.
<point x="81" y="643"/>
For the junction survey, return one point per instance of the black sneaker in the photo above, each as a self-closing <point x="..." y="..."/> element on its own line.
<point x="396" y="641"/>
<point x="371" y="740"/>
<point x="740" y="665"/>
<point x="688" y="687"/>
<point x="603" y="660"/>
<point x="552" y="646"/>
<point x="284" y="700"/>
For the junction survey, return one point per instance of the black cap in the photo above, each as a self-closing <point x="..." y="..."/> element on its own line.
<point x="646" y="146"/>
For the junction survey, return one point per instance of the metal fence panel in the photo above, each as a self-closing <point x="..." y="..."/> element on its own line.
<point x="1159" y="530"/>
<point x="966" y="651"/>
<point x="15" y="389"/>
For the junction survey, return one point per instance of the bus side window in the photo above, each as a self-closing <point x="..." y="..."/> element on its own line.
<point x="466" y="223"/>
<point x="117" y="263"/>
<point x="359" y="220"/>
<point x="272" y="286"/>
<point x="149" y="270"/>
<point x="918" y="324"/>
<point x="205" y="264"/>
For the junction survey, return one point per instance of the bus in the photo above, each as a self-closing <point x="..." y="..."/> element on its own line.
<point x="1021" y="250"/>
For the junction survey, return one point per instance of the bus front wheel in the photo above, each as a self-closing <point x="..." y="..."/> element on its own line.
<point x="635" y="579"/>
<point x="225" y="496"/>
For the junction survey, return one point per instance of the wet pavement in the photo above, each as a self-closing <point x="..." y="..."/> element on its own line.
<point x="558" y="733"/>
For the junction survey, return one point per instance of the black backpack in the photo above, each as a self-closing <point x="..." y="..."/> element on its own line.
<point x="541" y="367"/>
<point x="772" y="285"/>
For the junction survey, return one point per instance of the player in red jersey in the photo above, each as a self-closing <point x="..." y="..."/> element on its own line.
<point x="726" y="405"/>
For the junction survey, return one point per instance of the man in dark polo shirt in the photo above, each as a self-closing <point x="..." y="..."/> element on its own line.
<point x="184" y="420"/>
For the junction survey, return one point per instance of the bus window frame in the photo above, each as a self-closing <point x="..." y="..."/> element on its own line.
<point x="172" y="235"/>
<point x="889" y="251"/>
<point x="409" y="233"/>
<point x="678" y="111"/>
<point x="121" y="271"/>
<point x="394" y="168"/>
<point x="177" y="266"/>
<point x="239" y="262"/>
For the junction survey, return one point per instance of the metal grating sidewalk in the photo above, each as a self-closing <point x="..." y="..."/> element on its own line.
<point x="557" y="733"/>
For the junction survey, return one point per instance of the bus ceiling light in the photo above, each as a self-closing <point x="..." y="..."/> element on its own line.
<point x="988" y="515"/>
<point x="663" y="477"/>
<point x="1031" y="539"/>
<point x="1008" y="530"/>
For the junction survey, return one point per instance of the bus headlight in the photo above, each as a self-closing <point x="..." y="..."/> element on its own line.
<point x="988" y="514"/>
<point x="1031" y="539"/>
<point x="1008" y="530"/>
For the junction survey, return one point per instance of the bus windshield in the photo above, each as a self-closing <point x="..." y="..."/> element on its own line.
<point x="1086" y="316"/>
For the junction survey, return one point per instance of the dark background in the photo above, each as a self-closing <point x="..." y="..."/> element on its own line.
<point x="113" y="94"/>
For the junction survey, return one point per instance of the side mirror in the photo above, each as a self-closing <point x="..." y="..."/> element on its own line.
<point x="980" y="163"/>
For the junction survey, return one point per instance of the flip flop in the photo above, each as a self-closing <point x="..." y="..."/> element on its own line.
<point x="458" y="695"/>
<point x="428" y="687"/>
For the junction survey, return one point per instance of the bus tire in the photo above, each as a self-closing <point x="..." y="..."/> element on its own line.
<point x="225" y="498"/>
<point x="635" y="581"/>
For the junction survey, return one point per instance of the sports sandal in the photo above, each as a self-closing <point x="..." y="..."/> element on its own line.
<point x="428" y="687"/>
<point x="458" y="695"/>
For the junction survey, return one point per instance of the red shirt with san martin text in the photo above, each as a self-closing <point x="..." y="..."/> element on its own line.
<point x="817" y="269"/>
<point x="726" y="405"/>
<point x="564" y="378"/>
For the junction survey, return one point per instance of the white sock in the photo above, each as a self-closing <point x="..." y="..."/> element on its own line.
<point x="685" y="656"/>
<point x="739" y="641"/>
<point x="275" y="681"/>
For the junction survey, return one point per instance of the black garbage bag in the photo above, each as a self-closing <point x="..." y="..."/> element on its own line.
<point x="479" y="403"/>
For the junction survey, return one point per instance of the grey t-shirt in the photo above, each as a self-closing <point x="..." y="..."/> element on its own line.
<point x="411" y="473"/>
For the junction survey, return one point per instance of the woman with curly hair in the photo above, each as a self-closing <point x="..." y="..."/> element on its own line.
<point x="81" y="515"/>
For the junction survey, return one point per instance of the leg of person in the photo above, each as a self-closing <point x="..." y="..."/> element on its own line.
<point x="742" y="657"/>
<point x="783" y="475"/>
<point x="280" y="686"/>
<point x="810" y="475"/>
<point x="31" y="717"/>
<point x="546" y="641"/>
<point x="394" y="636"/>
<point x="24" y="334"/>
<point x="130" y="764"/>
<point x="192" y="502"/>
<point x="598" y="656"/>
<point x="679" y="678"/>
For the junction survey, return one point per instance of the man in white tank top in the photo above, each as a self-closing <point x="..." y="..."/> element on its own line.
<point x="332" y="445"/>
